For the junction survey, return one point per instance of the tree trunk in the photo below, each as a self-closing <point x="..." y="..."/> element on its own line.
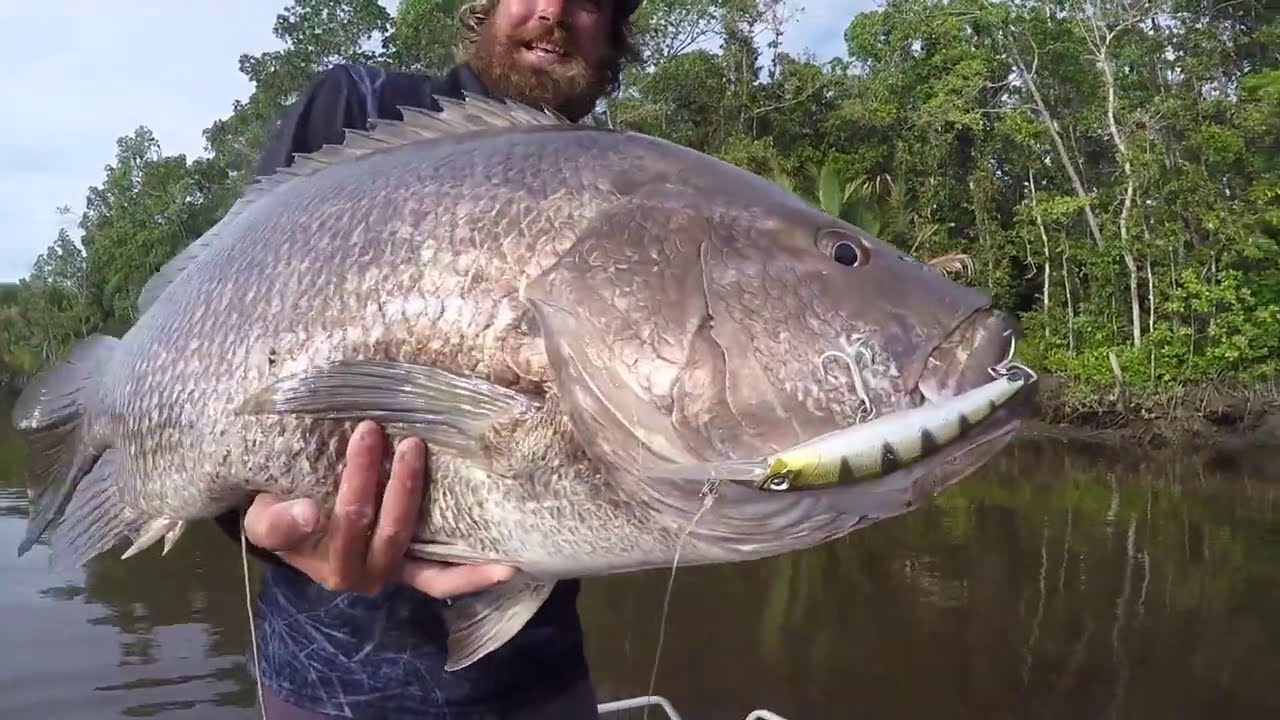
<point x="1126" y="247"/>
<point x="1052" y="126"/>
<point x="1071" y="311"/>
<point x="1099" y="38"/>
<point x="1044" y="238"/>
<point x="1151" y="293"/>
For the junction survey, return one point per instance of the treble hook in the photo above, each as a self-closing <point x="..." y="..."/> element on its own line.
<point x="710" y="490"/>
<point x="999" y="369"/>
<point x="868" y="410"/>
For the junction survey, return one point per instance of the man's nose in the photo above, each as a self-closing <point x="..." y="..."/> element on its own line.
<point x="551" y="11"/>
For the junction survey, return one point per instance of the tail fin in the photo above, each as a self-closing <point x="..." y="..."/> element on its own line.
<point x="50" y="412"/>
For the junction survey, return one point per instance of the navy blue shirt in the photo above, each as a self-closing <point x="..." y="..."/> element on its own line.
<point x="350" y="655"/>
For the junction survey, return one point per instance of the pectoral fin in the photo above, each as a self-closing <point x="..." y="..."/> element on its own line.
<point x="481" y="623"/>
<point x="443" y="408"/>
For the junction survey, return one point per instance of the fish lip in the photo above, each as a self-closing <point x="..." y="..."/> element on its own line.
<point x="962" y="360"/>
<point x="961" y="457"/>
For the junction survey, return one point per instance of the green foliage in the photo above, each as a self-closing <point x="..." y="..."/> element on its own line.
<point x="424" y="34"/>
<point x="1107" y="170"/>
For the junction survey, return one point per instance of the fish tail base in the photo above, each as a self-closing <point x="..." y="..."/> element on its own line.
<point x="95" y="519"/>
<point x="50" y="413"/>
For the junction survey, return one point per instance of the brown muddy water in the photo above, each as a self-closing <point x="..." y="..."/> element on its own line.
<point x="1056" y="583"/>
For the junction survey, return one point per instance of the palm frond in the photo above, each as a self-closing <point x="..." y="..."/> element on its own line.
<point x="952" y="263"/>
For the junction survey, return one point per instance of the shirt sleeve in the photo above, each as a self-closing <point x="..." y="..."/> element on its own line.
<point x="333" y="102"/>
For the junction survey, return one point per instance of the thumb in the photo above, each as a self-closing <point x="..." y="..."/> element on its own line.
<point x="277" y="526"/>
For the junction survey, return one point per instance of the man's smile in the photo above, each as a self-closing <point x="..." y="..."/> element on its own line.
<point x="542" y="53"/>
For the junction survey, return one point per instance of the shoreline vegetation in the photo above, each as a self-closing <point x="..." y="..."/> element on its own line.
<point x="1224" y="417"/>
<point x="1107" y="170"/>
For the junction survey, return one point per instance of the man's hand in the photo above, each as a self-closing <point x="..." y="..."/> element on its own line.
<point x="360" y="546"/>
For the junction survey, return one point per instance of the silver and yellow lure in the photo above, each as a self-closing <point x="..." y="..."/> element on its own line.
<point x="877" y="448"/>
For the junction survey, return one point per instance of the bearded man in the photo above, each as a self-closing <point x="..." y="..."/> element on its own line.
<point x="347" y="627"/>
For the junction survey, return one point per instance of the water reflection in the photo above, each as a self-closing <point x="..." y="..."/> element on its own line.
<point x="153" y="637"/>
<point x="1057" y="584"/>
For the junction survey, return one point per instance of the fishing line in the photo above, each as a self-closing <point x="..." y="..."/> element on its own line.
<point x="708" y="495"/>
<point x="248" y="603"/>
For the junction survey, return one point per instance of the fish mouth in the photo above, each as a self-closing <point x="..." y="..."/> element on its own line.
<point x="972" y="397"/>
<point x="961" y="362"/>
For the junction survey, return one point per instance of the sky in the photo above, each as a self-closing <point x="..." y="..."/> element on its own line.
<point x="88" y="72"/>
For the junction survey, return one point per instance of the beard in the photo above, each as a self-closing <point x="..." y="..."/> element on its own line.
<point x="571" y="86"/>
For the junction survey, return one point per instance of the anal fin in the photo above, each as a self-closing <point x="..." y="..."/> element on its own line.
<point x="443" y="408"/>
<point x="165" y="528"/>
<point x="481" y="623"/>
<point x="171" y="537"/>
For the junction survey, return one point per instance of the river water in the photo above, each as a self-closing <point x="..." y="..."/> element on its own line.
<point x="1056" y="583"/>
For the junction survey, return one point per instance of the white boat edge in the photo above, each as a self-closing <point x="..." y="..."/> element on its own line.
<point x="641" y="701"/>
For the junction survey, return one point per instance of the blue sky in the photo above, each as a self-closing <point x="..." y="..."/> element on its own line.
<point x="84" y="72"/>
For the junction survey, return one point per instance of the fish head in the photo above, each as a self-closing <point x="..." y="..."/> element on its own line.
<point x="731" y="320"/>
<point x="814" y="325"/>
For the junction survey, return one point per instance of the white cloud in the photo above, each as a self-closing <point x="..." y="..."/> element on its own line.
<point x="85" y="72"/>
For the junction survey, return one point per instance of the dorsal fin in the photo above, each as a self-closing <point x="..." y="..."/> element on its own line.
<point x="456" y="117"/>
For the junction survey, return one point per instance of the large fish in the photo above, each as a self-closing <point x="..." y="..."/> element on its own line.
<point x="578" y="321"/>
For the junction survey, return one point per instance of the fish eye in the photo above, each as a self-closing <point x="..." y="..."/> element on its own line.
<point x="843" y="248"/>
<point x="845" y="253"/>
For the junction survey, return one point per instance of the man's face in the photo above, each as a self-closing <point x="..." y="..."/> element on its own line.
<point x="555" y="53"/>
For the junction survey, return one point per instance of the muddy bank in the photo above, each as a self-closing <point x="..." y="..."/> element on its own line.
<point x="1224" y="416"/>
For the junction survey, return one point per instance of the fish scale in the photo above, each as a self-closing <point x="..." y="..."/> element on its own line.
<point x="570" y="316"/>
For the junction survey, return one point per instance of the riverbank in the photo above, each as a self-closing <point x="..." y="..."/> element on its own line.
<point x="1222" y="416"/>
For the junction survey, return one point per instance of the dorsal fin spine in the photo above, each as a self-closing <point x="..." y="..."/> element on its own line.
<point x="456" y="117"/>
